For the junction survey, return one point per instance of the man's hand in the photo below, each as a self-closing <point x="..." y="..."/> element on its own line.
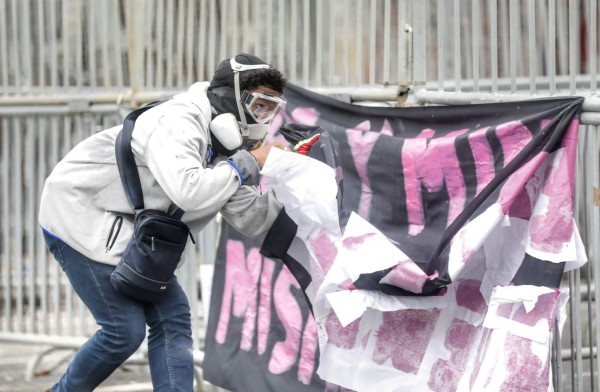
<point x="261" y="153"/>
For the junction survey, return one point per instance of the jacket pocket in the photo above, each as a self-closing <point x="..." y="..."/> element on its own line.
<point x="114" y="233"/>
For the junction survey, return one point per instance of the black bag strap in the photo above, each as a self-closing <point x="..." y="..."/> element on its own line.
<point x="126" y="161"/>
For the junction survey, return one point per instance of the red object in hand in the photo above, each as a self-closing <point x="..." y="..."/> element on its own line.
<point x="304" y="146"/>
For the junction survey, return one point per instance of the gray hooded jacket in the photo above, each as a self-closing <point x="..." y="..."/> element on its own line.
<point x="83" y="197"/>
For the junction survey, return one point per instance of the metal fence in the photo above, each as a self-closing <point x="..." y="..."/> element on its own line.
<point x="69" y="68"/>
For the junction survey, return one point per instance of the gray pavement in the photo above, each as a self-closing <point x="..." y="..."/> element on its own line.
<point x="18" y="373"/>
<point x="34" y="368"/>
<point x="23" y="368"/>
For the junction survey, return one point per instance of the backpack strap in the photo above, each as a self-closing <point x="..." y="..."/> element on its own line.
<point x="128" y="170"/>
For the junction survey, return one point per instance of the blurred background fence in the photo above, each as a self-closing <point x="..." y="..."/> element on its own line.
<point x="69" y="68"/>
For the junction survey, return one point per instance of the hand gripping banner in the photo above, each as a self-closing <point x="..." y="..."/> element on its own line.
<point x="422" y="250"/>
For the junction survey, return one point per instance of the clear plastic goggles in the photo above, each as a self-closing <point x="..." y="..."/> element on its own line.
<point x="262" y="107"/>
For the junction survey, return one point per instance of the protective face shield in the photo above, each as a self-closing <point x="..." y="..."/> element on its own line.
<point x="233" y="131"/>
<point x="262" y="107"/>
<point x="254" y="134"/>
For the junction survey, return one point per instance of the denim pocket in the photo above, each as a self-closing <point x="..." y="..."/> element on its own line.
<point x="55" y="246"/>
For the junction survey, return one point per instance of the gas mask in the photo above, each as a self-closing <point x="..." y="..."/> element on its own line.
<point x="262" y="108"/>
<point x="226" y="128"/>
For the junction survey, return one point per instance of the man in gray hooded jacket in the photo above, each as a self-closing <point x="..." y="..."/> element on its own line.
<point x="200" y="151"/>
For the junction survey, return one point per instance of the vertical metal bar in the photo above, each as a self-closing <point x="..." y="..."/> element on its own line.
<point x="51" y="325"/>
<point x="532" y="46"/>
<point x="594" y="234"/>
<point x="346" y="43"/>
<point x="30" y="224"/>
<point x="410" y="40"/>
<point x="593" y="46"/>
<point x="269" y="26"/>
<point x="572" y="322"/>
<point x="542" y="49"/>
<point x="66" y="40"/>
<point x="401" y="45"/>
<point x="104" y="37"/>
<point x="504" y="39"/>
<point x="552" y="45"/>
<point x="578" y="332"/>
<point x="160" y="21"/>
<point x="419" y="47"/>
<point x="68" y="291"/>
<point x="372" y="42"/>
<point x="573" y="43"/>
<point x="91" y="19"/>
<point x="306" y="58"/>
<point x="169" y="30"/>
<point x="4" y="46"/>
<point x="319" y="43"/>
<point x="233" y="11"/>
<point x="576" y="354"/>
<point x="136" y="31"/>
<point x="203" y="32"/>
<point x="476" y="19"/>
<point x="562" y="34"/>
<point x="189" y="39"/>
<point x="54" y="277"/>
<point x="146" y="79"/>
<point x="41" y="259"/>
<point x="589" y="269"/>
<point x="557" y="357"/>
<point x="25" y="47"/>
<point x="257" y="27"/>
<point x="15" y="48"/>
<point x="493" y="15"/>
<point x="181" y="27"/>
<point x="6" y="222"/>
<point x="53" y="48"/>
<point x="441" y="43"/>
<point x="281" y="45"/>
<point x="359" y="42"/>
<point x="331" y="49"/>
<point x="513" y="26"/>
<point x="386" y="41"/>
<point x="586" y="196"/>
<point x="294" y="40"/>
<point x="17" y="231"/>
<point x="116" y="37"/>
<point x="78" y="10"/>
<point x="237" y="40"/>
<point x="466" y="41"/>
<point x="212" y="39"/>
<point x="519" y="39"/>
<point x="245" y="25"/>
<point x="457" y="46"/>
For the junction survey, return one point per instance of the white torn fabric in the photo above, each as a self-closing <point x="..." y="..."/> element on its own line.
<point x="480" y="335"/>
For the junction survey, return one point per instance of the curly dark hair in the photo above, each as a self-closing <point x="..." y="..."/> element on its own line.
<point x="270" y="77"/>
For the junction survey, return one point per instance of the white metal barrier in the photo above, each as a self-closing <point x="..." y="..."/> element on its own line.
<point x="70" y="67"/>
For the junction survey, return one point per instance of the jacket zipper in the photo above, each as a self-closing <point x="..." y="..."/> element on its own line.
<point x="118" y="222"/>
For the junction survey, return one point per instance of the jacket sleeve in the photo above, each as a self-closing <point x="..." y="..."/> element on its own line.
<point x="252" y="212"/>
<point x="174" y="152"/>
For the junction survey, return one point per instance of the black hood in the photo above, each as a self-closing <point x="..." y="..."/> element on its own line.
<point x="221" y="91"/>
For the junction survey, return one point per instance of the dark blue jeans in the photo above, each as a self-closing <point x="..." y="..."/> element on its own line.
<point x="122" y="322"/>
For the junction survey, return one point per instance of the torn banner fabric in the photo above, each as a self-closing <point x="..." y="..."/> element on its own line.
<point x="431" y="252"/>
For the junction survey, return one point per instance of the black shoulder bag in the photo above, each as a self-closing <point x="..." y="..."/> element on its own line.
<point x="148" y="265"/>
